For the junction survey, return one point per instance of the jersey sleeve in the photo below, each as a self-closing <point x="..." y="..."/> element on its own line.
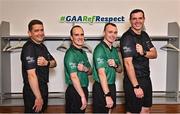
<point x="99" y="59"/>
<point x="29" y="58"/>
<point x="49" y="56"/>
<point x="148" y="42"/>
<point x="70" y="63"/>
<point x="117" y="60"/>
<point x="127" y="45"/>
<point x="87" y="62"/>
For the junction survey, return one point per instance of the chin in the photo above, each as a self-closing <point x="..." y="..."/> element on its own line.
<point x="138" y="27"/>
<point x="80" y="43"/>
<point x="40" y="40"/>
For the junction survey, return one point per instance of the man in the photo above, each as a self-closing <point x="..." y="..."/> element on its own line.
<point x="77" y="69"/>
<point x="106" y="63"/>
<point x="137" y="49"/>
<point x="36" y="61"/>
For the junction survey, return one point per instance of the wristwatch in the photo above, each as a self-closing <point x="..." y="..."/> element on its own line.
<point x="137" y="86"/>
<point x="107" y="94"/>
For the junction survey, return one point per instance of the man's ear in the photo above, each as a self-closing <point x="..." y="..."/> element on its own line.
<point x="29" y="33"/>
<point x="71" y="38"/>
<point x="103" y="33"/>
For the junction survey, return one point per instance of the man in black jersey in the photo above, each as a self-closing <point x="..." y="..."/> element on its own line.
<point x="36" y="61"/>
<point x="137" y="49"/>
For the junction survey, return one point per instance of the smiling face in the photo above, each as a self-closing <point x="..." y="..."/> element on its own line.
<point x="37" y="33"/>
<point x="110" y="34"/>
<point x="77" y="37"/>
<point x="137" y="22"/>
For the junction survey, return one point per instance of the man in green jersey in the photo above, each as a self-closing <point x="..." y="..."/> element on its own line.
<point x="106" y="64"/>
<point x="77" y="68"/>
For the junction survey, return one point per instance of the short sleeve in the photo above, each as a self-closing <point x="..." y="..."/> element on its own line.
<point x="117" y="60"/>
<point x="99" y="58"/>
<point x="87" y="62"/>
<point x="127" y="45"/>
<point x="29" y="58"/>
<point x="148" y="42"/>
<point x="50" y="57"/>
<point x="70" y="63"/>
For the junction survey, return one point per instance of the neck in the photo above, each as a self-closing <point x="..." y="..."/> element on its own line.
<point x="77" y="46"/>
<point x="36" y="41"/>
<point x="136" y="31"/>
<point x="108" y="43"/>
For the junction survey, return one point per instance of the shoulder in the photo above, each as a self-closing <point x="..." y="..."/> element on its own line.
<point x="99" y="48"/>
<point x="69" y="53"/>
<point x="126" y="36"/>
<point x="28" y="46"/>
<point x="43" y="45"/>
<point x="144" y="32"/>
<point x="145" y="35"/>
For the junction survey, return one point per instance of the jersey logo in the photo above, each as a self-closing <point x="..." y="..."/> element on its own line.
<point x="127" y="49"/>
<point x="72" y="65"/>
<point x="99" y="60"/>
<point x="30" y="60"/>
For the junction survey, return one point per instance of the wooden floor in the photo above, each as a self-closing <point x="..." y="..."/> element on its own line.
<point x="164" y="108"/>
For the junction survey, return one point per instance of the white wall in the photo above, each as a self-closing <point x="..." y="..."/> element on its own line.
<point x="178" y="12"/>
<point x="0" y="10"/>
<point x="19" y="12"/>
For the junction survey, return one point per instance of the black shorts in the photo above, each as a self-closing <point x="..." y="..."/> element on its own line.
<point x="132" y="103"/>
<point x="73" y="100"/>
<point x="29" y="97"/>
<point x="99" y="101"/>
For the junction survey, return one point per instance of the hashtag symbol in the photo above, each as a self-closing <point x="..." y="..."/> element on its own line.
<point x="62" y="18"/>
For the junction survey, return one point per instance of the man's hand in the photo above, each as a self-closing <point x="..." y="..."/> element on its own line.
<point x="139" y="92"/>
<point x="112" y="63"/>
<point x="139" y="49"/>
<point x="82" y="68"/>
<point x="41" y="61"/>
<point x="84" y="103"/>
<point x="38" y="104"/>
<point x="109" y="102"/>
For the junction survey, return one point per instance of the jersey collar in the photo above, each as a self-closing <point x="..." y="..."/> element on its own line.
<point x="72" y="46"/>
<point x="133" y="33"/>
<point x="34" y="42"/>
<point x="107" y="45"/>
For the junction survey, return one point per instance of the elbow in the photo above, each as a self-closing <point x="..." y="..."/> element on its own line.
<point x="155" y="56"/>
<point x="55" y="64"/>
<point x="153" y="53"/>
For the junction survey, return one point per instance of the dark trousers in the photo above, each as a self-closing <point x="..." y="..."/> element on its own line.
<point x="29" y="98"/>
<point x="73" y="100"/>
<point x="99" y="101"/>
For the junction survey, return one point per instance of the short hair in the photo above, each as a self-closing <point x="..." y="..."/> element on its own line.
<point x="34" y="22"/>
<point x="136" y="11"/>
<point x="75" y="26"/>
<point x="109" y="24"/>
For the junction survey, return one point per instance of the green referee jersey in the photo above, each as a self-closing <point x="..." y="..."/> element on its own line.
<point x="101" y="55"/>
<point x="72" y="58"/>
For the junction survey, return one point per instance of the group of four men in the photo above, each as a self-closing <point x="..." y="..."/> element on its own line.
<point x="136" y="49"/>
